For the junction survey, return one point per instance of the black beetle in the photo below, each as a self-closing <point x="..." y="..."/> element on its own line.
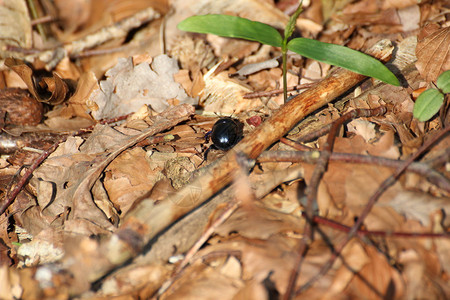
<point x="225" y="133"/>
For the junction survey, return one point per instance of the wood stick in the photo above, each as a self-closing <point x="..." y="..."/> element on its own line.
<point x="148" y="218"/>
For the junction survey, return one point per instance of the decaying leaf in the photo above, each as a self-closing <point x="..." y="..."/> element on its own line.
<point x="48" y="89"/>
<point x="433" y="55"/>
<point x="128" y="87"/>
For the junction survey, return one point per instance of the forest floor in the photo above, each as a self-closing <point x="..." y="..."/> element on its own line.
<point x="107" y="113"/>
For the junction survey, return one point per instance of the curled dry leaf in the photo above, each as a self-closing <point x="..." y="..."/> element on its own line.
<point x="433" y="54"/>
<point x="76" y="105"/>
<point x="48" y="89"/>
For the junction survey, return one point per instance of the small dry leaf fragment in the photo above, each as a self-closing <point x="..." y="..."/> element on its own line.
<point x="433" y="52"/>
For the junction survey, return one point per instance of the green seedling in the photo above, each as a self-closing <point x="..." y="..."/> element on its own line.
<point x="429" y="102"/>
<point x="236" y="27"/>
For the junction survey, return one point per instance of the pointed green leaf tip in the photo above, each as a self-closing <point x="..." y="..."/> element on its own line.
<point x="343" y="57"/>
<point x="233" y="27"/>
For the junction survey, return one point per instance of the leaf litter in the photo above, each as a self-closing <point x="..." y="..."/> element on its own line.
<point x="86" y="198"/>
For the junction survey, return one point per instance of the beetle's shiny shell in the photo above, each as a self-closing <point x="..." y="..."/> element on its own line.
<point x="226" y="133"/>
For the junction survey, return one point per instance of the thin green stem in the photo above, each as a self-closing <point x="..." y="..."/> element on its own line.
<point x="35" y="15"/>
<point x="284" y="58"/>
<point x="288" y="30"/>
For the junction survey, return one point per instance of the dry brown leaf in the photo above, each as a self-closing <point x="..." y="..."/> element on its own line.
<point x="363" y="128"/>
<point x="433" y="52"/>
<point x="368" y="12"/>
<point x="409" y="17"/>
<point x="355" y="259"/>
<point x="273" y="257"/>
<point x="422" y="271"/>
<point x="253" y="290"/>
<point x="361" y="184"/>
<point x="225" y="95"/>
<point x="76" y="105"/>
<point x="193" y="53"/>
<point x="46" y="247"/>
<point x="397" y="3"/>
<point x="419" y="206"/>
<point x="80" y="18"/>
<point x="18" y="284"/>
<point x="61" y="176"/>
<point x="204" y="282"/>
<point x="259" y="223"/>
<point x="128" y="177"/>
<point x="376" y="279"/>
<point x="51" y="90"/>
<point x="143" y="280"/>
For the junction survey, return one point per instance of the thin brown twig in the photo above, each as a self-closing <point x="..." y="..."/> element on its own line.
<point x="311" y="157"/>
<point x="322" y="164"/>
<point x="23" y="180"/>
<point x="278" y="91"/>
<point x="230" y="209"/>
<point x="363" y="232"/>
<point x="44" y="19"/>
<point x="311" y="190"/>
<point x="11" y="195"/>
<point x="296" y="145"/>
<point x="147" y="216"/>
<point x="357" y="113"/>
<point x="373" y="199"/>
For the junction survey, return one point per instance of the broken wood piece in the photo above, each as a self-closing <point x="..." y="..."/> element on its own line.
<point x="147" y="218"/>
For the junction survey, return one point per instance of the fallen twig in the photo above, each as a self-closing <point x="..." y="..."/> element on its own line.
<point x="373" y="199"/>
<point x="278" y="91"/>
<point x="311" y="157"/>
<point x="24" y="179"/>
<point x="148" y="218"/>
<point x="313" y="186"/>
<point x="363" y="232"/>
<point x="117" y="30"/>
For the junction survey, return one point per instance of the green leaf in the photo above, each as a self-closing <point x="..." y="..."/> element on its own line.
<point x="233" y="27"/>
<point x="343" y="57"/>
<point x="443" y="82"/>
<point x="428" y="104"/>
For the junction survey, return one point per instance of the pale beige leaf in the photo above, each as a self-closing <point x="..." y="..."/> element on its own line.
<point x="433" y="52"/>
<point x="128" y="87"/>
<point x="15" y="27"/>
